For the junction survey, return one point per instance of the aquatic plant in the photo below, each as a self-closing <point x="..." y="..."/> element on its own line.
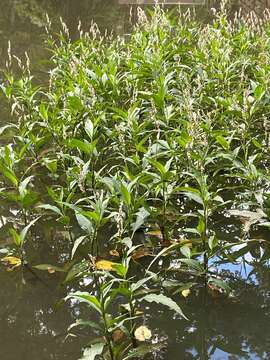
<point x="139" y="147"/>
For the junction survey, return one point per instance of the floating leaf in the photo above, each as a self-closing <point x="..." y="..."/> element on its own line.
<point x="11" y="262"/>
<point x="50" y="268"/>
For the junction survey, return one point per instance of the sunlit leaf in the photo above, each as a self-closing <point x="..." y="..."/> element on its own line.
<point x="85" y="297"/>
<point x="185" y="292"/>
<point x="76" y="244"/>
<point x="93" y="351"/>
<point x="142" y="215"/>
<point x="166" y="301"/>
<point x="25" y="230"/>
<point x="53" y="208"/>
<point x="185" y="250"/>
<point x="84" y="223"/>
<point x="89" y="128"/>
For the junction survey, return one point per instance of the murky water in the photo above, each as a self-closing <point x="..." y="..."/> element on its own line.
<point x="32" y="326"/>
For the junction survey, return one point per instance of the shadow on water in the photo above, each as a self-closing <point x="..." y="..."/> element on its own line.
<point x="32" y="327"/>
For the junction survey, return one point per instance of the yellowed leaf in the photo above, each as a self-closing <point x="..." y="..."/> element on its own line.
<point x="114" y="253"/>
<point x="141" y="252"/>
<point x="156" y="233"/>
<point x="142" y="333"/>
<point x="11" y="262"/>
<point x="185" y="292"/>
<point x="104" y="265"/>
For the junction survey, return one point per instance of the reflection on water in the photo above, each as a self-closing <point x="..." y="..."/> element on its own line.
<point x="31" y="327"/>
<point x="168" y="2"/>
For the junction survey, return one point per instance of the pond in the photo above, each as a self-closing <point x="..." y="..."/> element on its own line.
<point x="33" y="324"/>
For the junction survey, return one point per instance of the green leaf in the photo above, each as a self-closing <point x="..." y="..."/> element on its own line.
<point x="16" y="237"/>
<point x="84" y="223"/>
<point x="3" y="128"/>
<point x="43" y="111"/>
<point x="161" y="253"/>
<point x="140" y="351"/>
<point x="223" y="142"/>
<point x="23" y="185"/>
<point x="126" y="194"/>
<point x="212" y="242"/>
<point x="47" y="267"/>
<point x="160" y="167"/>
<point x="77" y="243"/>
<point x="77" y="270"/>
<point x="142" y="215"/>
<point x="26" y="229"/>
<point x="83" y="146"/>
<point x="201" y="225"/>
<point x="120" y="269"/>
<point x="9" y="174"/>
<point x="185" y="250"/>
<point x="51" y="164"/>
<point x="166" y="301"/>
<point x="53" y="208"/>
<point x="89" y="128"/>
<point x="4" y="251"/>
<point x="85" y="297"/>
<point x="93" y="351"/>
<point x="192" y="194"/>
<point x="85" y="323"/>
<point x="220" y="283"/>
<point x="193" y="264"/>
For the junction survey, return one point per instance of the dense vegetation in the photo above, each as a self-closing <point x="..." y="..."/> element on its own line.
<point x="150" y="153"/>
